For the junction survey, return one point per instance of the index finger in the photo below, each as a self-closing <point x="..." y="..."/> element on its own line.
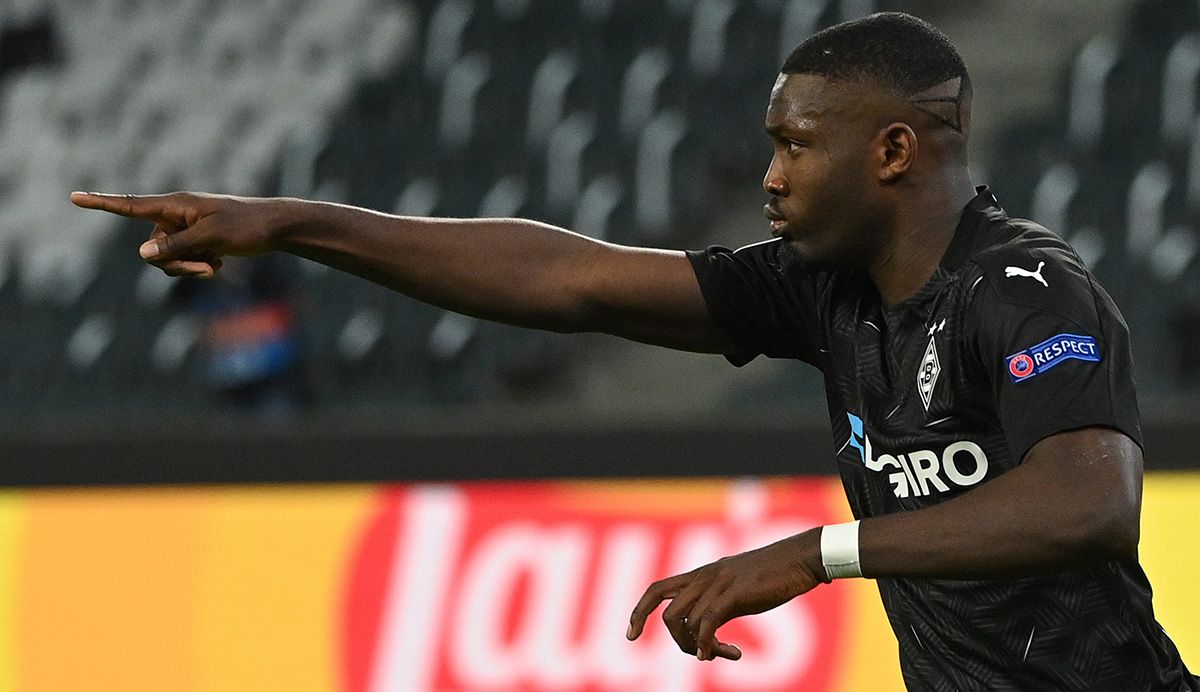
<point x="707" y="644"/>
<point x="137" y="206"/>
<point x="656" y="593"/>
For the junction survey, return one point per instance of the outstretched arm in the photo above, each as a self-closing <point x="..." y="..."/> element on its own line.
<point x="1075" y="499"/>
<point x="508" y="270"/>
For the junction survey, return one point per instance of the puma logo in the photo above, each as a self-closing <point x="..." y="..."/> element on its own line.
<point x="1035" y="274"/>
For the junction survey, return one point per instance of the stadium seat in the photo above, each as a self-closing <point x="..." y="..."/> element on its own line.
<point x="505" y="199"/>
<point x="444" y="37"/>
<point x="360" y="336"/>
<point x="598" y="204"/>
<point x="1192" y="170"/>
<point x="1179" y="91"/>
<point x="420" y="198"/>
<point x="1145" y="210"/>
<point x="607" y="116"/>
<point x="173" y="346"/>
<point x="26" y="97"/>
<point x="548" y="97"/>
<point x="1174" y="254"/>
<point x="1089" y="82"/>
<point x="647" y="76"/>
<point x="798" y="20"/>
<point x="450" y="336"/>
<point x="1052" y="198"/>
<point x="565" y="153"/>
<point x="657" y="177"/>
<point x="390" y="38"/>
<point x="457" y="119"/>
<point x="707" y="38"/>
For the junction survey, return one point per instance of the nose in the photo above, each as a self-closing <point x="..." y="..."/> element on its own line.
<point x="774" y="183"/>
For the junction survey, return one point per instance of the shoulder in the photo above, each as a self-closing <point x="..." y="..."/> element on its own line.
<point x="1024" y="264"/>
<point x="767" y="259"/>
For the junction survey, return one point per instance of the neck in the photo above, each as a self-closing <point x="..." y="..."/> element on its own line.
<point x="921" y="231"/>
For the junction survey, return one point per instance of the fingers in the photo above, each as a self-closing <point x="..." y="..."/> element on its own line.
<point x="714" y="612"/>
<point x="137" y="206"/>
<point x="676" y="616"/>
<point x="656" y="593"/>
<point x="698" y="607"/>
<point x="190" y="268"/>
<point x="729" y="652"/>
<point x="198" y="268"/>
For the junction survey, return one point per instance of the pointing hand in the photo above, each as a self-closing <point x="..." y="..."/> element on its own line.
<point x="192" y="231"/>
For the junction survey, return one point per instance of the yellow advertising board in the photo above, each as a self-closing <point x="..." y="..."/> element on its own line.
<point x="508" y="586"/>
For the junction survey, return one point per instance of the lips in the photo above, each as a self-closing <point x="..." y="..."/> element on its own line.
<point x="776" y="219"/>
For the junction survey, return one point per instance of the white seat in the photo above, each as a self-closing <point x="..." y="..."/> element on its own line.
<point x="391" y="38"/>
<point x="1086" y="108"/>
<point x="23" y="105"/>
<point x="144" y="100"/>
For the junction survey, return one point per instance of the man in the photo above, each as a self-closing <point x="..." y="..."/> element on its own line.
<point x="979" y="381"/>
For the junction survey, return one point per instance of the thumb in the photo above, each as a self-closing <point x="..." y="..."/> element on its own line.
<point x="185" y="244"/>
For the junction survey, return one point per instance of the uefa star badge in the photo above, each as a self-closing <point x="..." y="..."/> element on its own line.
<point x="927" y="374"/>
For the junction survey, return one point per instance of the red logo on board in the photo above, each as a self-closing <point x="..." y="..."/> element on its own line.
<point x="528" y="586"/>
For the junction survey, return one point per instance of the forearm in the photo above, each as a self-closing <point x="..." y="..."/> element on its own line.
<point x="980" y="537"/>
<point x="509" y="270"/>
<point x="1062" y="507"/>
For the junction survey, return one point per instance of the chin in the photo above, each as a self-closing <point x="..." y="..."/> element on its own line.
<point x="796" y="254"/>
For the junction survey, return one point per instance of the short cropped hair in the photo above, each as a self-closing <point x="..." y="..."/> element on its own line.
<point x="897" y="50"/>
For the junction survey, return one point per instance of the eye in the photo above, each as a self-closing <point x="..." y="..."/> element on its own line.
<point x="794" y="147"/>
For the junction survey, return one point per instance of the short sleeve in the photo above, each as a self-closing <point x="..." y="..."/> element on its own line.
<point x="1054" y="349"/>
<point x="763" y="307"/>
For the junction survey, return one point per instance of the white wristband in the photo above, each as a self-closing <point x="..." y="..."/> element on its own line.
<point x="839" y="550"/>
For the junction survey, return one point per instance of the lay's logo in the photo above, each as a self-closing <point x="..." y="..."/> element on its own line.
<point x="1036" y="360"/>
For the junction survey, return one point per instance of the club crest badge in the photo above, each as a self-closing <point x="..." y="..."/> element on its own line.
<point x="927" y="374"/>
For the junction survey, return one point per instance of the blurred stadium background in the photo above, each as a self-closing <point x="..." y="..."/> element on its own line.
<point x="330" y="401"/>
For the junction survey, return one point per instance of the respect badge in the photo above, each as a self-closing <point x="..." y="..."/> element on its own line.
<point x="1041" y="357"/>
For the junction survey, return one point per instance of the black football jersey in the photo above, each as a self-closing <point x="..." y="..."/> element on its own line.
<point x="1011" y="341"/>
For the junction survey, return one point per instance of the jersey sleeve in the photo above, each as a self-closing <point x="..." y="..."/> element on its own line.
<point x="1053" y="347"/>
<point x="763" y="307"/>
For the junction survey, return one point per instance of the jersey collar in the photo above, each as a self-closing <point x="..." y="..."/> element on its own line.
<point x="967" y="236"/>
<point x="982" y="207"/>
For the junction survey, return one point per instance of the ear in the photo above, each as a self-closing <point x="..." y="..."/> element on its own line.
<point x="897" y="152"/>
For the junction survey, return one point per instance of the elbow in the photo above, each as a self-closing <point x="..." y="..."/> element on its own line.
<point x="1094" y="501"/>
<point x="1120" y="523"/>
<point x="1124" y="535"/>
<point x="1110" y="533"/>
